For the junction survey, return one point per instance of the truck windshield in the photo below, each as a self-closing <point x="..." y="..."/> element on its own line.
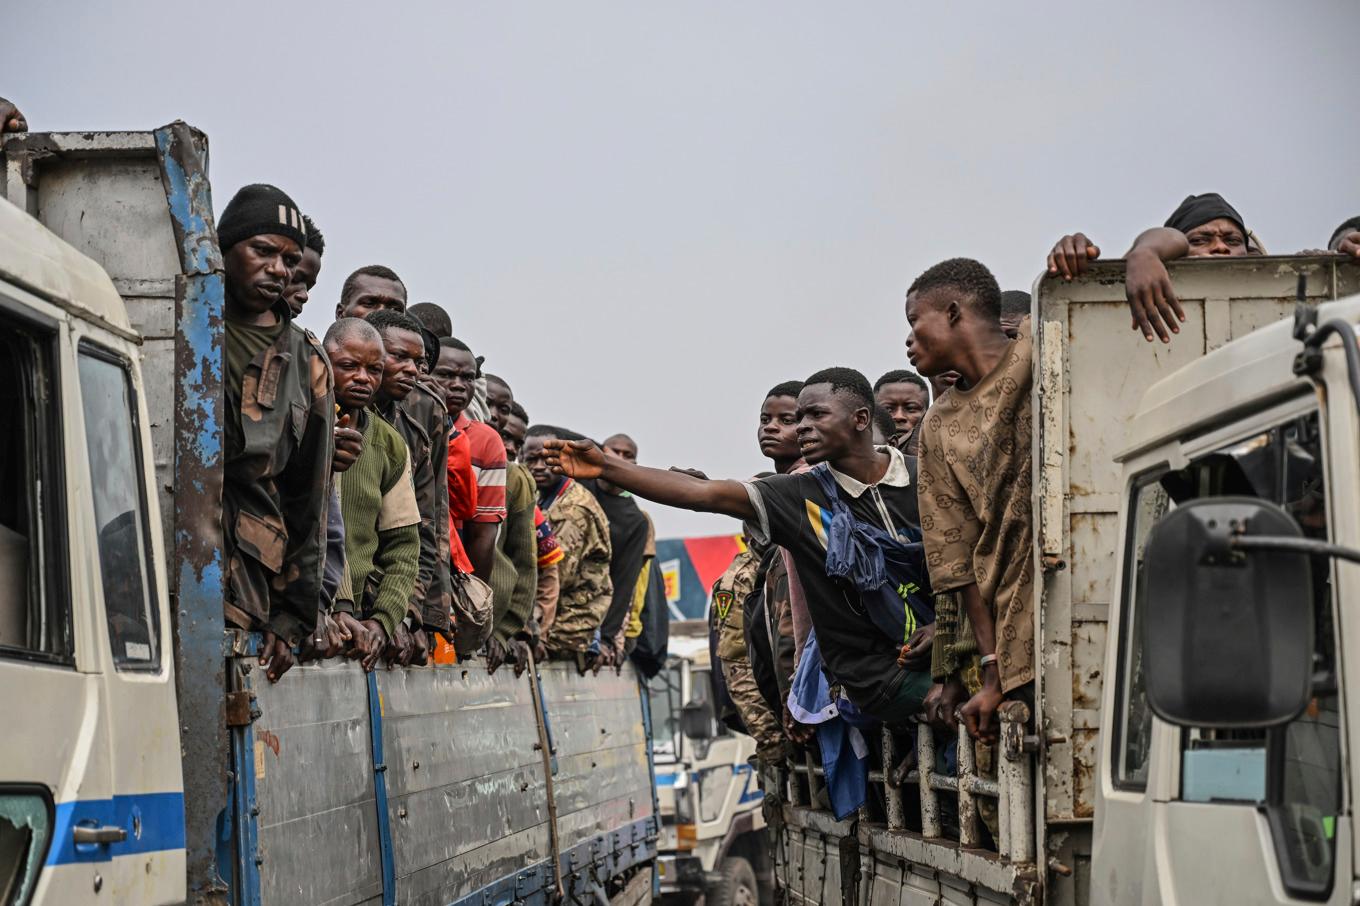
<point x="663" y="690"/>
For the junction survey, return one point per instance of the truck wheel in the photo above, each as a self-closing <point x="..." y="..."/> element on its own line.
<point x="734" y="886"/>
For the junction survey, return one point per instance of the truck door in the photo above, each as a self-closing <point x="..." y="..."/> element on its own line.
<point x="54" y="766"/>
<point x="143" y="824"/>
<point x="1235" y="815"/>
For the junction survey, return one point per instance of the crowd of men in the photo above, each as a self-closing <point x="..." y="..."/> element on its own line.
<point x="387" y="500"/>
<point x="889" y="572"/>
<point x="375" y="503"/>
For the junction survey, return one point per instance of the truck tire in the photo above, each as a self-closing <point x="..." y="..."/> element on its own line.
<point x="734" y="885"/>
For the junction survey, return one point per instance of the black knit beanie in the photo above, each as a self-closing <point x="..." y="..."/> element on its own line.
<point x="257" y="210"/>
<point x="1197" y="210"/>
<point x="1350" y="226"/>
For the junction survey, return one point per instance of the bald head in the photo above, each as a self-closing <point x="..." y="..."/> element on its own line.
<point x="347" y="329"/>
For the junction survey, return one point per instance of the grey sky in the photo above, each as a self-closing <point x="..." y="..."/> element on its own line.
<point x="644" y="215"/>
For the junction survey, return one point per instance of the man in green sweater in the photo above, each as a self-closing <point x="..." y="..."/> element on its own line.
<point x="377" y="498"/>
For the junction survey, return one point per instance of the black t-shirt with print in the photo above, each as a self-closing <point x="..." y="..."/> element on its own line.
<point x="856" y="653"/>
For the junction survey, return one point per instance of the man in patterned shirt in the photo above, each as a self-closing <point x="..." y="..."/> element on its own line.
<point x="974" y="472"/>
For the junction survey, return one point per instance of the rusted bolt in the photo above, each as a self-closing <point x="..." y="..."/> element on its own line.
<point x="1059" y="868"/>
<point x="1053" y="563"/>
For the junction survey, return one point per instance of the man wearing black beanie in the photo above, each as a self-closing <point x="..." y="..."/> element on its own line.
<point x="280" y="416"/>
<point x="1202" y="226"/>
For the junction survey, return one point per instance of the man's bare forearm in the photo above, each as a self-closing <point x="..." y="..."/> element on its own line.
<point x="680" y="490"/>
<point x="1164" y="242"/>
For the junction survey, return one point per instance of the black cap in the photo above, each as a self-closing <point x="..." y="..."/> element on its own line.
<point x="1350" y="226"/>
<point x="1197" y="210"/>
<point x="257" y="210"/>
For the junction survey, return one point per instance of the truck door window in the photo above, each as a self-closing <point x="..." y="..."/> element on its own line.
<point x="1133" y="727"/>
<point x="35" y="618"/>
<point x="1295" y="771"/>
<point x="111" y="436"/>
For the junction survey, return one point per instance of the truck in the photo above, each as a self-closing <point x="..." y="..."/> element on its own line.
<point x="147" y="760"/>
<point x="1187" y="742"/>
<point x="712" y="848"/>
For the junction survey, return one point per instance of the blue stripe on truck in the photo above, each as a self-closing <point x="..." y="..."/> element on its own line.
<point x="153" y="821"/>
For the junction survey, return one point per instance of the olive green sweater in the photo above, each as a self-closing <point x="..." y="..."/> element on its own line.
<point x="382" y="525"/>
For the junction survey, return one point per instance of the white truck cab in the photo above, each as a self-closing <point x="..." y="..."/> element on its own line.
<point x="713" y="830"/>
<point x="85" y="665"/>
<point x="1212" y="789"/>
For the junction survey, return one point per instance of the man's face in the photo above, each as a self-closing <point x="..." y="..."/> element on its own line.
<point x="512" y="432"/>
<point x="370" y="293"/>
<point x="829" y="423"/>
<point x="455" y="374"/>
<point x="929" y="331"/>
<point x="258" y="269"/>
<point x="357" y="363"/>
<point x="499" y="401"/>
<point x="1217" y="237"/>
<point x="303" y="279"/>
<point x="401" y="365"/>
<point x="905" y="402"/>
<point x="532" y="456"/>
<point x="621" y="448"/>
<point x="778" y="432"/>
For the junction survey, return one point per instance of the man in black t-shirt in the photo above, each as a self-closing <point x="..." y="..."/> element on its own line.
<point x="835" y="426"/>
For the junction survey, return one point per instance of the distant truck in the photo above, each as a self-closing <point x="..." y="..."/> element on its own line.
<point x="1191" y="730"/>
<point x="713" y="844"/>
<point x="145" y="759"/>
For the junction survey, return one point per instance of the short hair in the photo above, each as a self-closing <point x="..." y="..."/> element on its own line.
<point x="518" y="412"/>
<point x="1015" y="303"/>
<point x="902" y="376"/>
<point x="845" y="380"/>
<point x="315" y="241"/>
<point x="454" y="343"/>
<point x="968" y="277"/>
<point x="381" y="271"/>
<point x="787" y="388"/>
<point x="346" y="328"/>
<point x="433" y="317"/>
<point x="884" y="422"/>
<point x="383" y="320"/>
<point x="499" y="380"/>
<point x="553" y="431"/>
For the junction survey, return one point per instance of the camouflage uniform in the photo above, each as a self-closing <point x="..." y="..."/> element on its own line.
<point x="422" y="421"/>
<point x="729" y="598"/>
<point x="275" y="496"/>
<point x="583" y="533"/>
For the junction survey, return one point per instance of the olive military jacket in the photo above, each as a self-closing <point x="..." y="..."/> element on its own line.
<point x="277" y="485"/>
<point x="422" y="421"/>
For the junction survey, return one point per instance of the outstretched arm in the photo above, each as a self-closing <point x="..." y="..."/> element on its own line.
<point x="582" y="459"/>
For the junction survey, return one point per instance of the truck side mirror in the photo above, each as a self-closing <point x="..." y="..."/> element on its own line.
<point x="1227" y="624"/>
<point x="696" y="720"/>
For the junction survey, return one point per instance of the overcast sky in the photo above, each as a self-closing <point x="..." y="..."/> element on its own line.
<point x="644" y="215"/>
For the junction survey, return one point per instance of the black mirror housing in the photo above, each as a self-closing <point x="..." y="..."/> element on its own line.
<point x="696" y="721"/>
<point x="1227" y="633"/>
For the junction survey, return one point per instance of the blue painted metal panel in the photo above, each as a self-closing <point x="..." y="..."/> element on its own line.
<point x="153" y="821"/>
<point x="389" y="871"/>
<point x="196" y="573"/>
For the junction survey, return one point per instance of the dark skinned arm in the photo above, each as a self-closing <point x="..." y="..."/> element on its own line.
<point x="479" y="540"/>
<point x="582" y="459"/>
<point x="979" y="714"/>
<point x="1152" y="301"/>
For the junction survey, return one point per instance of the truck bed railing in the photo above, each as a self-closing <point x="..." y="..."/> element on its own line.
<point x="958" y="849"/>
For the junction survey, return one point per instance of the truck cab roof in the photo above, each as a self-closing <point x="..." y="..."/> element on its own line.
<point x="35" y="258"/>
<point x="1241" y="375"/>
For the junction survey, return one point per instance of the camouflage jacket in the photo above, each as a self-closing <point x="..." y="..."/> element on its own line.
<point x="422" y="421"/>
<point x="729" y="599"/>
<point x="586" y="591"/>
<point x="275" y="495"/>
